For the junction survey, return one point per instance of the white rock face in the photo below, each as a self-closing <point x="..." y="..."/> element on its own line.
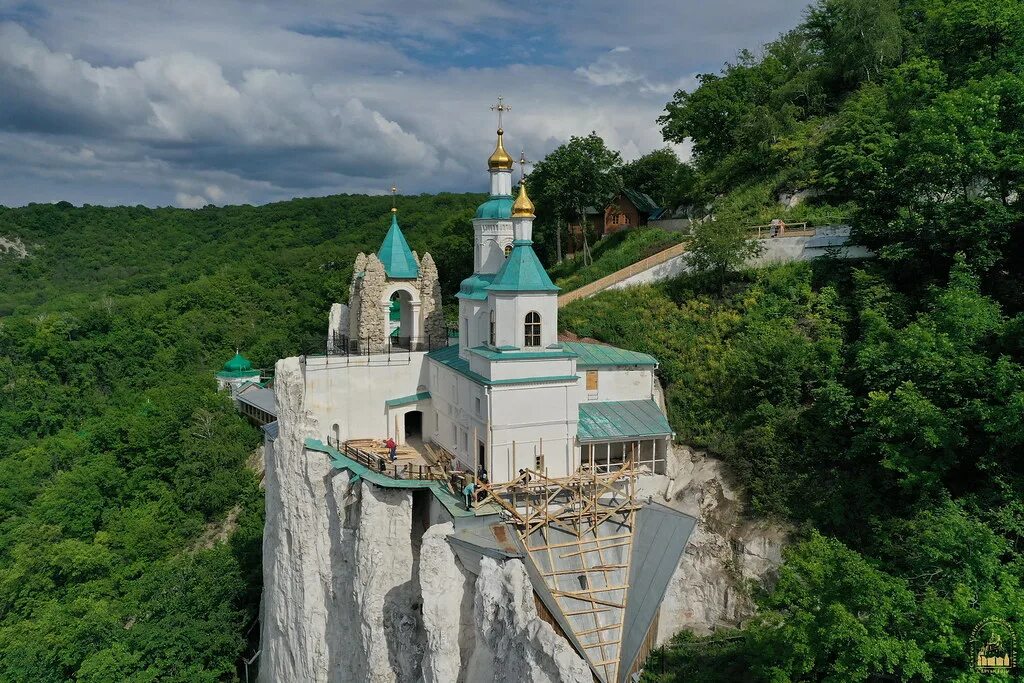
<point x="726" y="553"/>
<point x="12" y="246"/>
<point x="356" y="590"/>
<point x="514" y="645"/>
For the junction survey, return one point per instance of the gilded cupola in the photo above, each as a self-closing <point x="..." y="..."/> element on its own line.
<point x="500" y="159"/>
<point x="523" y="207"/>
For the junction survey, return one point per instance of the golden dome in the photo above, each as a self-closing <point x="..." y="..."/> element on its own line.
<point x="500" y="158"/>
<point x="523" y="206"/>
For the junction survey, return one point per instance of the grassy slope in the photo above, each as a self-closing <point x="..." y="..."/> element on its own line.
<point x="611" y="254"/>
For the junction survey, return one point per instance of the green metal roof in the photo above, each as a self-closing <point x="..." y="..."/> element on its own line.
<point x="496" y="206"/>
<point x="406" y="400"/>
<point x="449" y="356"/>
<point x="621" y="420"/>
<point x="396" y="255"/>
<point x="522" y="272"/>
<point x="600" y="356"/>
<point x="239" y="366"/>
<point x="475" y="286"/>
<point x="641" y="201"/>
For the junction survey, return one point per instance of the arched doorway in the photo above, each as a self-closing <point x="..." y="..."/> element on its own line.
<point x="394" y="316"/>
<point x="402" y="325"/>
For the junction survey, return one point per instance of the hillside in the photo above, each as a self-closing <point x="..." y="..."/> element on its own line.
<point x="117" y="455"/>
<point x="874" y="406"/>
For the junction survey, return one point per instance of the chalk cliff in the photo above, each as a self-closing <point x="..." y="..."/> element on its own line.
<point x="359" y="585"/>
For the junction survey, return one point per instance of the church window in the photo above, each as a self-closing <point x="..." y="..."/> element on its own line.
<point x="492" y="335"/>
<point x="478" y="411"/>
<point x="508" y="250"/>
<point x="592" y="381"/>
<point x="532" y="329"/>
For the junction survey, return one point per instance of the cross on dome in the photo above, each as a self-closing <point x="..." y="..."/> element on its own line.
<point x="500" y="159"/>
<point x="523" y="161"/>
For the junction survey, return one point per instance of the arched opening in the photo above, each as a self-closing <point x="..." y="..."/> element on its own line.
<point x="394" y="315"/>
<point x="413" y="424"/>
<point x="401" y="322"/>
<point x="508" y="250"/>
<point x="492" y="334"/>
<point x="336" y="433"/>
<point x="531" y="329"/>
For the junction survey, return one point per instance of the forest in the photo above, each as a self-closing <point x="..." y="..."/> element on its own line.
<point x="120" y="465"/>
<point x="873" y="407"/>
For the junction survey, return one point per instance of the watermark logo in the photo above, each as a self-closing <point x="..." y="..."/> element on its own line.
<point x="994" y="647"/>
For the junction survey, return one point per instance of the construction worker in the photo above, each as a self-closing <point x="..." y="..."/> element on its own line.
<point x="467" y="493"/>
<point x="392" y="449"/>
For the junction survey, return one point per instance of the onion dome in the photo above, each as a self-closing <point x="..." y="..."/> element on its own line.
<point x="238" y="367"/>
<point x="238" y="364"/>
<point x="523" y="207"/>
<point x="500" y="159"/>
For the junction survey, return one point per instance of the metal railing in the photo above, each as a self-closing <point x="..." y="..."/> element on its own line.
<point x="344" y="345"/>
<point x="395" y="470"/>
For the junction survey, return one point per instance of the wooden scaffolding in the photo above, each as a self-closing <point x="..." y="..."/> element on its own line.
<point x="578" y="532"/>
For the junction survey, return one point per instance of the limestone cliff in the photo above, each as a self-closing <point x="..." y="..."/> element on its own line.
<point x="360" y="583"/>
<point x="358" y="588"/>
<point x="727" y="554"/>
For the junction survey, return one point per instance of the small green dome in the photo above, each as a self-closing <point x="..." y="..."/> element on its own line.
<point x="475" y="287"/>
<point x="496" y="207"/>
<point x="238" y="367"/>
<point x="238" y="364"/>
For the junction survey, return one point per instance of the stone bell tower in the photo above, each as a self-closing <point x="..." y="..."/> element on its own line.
<point x="394" y="299"/>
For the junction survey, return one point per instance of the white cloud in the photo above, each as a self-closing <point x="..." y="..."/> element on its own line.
<point x="251" y="101"/>
<point x="190" y="201"/>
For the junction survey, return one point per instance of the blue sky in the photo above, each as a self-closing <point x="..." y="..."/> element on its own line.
<point x="236" y="101"/>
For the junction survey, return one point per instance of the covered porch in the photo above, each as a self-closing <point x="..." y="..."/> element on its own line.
<point x="612" y="432"/>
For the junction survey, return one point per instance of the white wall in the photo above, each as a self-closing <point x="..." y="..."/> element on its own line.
<point x="774" y="250"/>
<point x="490" y="237"/>
<point x="618" y="384"/>
<point x="353" y="396"/>
<point x="511" y="309"/>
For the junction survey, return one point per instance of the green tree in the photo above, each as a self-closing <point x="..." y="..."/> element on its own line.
<point x="579" y="174"/>
<point x="719" y="247"/>
<point x="661" y="175"/>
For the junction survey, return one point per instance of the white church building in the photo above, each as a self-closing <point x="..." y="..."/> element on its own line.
<point x="509" y="395"/>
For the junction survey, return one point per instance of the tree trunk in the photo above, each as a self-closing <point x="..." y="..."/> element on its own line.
<point x="558" y="238"/>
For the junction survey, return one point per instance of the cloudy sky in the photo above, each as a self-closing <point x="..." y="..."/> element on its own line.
<point x="192" y="102"/>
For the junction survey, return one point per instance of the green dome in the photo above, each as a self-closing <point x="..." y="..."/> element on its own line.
<point x="239" y="366"/>
<point x="475" y="287"/>
<point x="496" y="207"/>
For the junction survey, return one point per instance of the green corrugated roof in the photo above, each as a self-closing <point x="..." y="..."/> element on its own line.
<point x="617" y="420"/>
<point x="522" y="272"/>
<point x="406" y="400"/>
<point x="496" y="206"/>
<point x="600" y="356"/>
<point x="396" y="255"/>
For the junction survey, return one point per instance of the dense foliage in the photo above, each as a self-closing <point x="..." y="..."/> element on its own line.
<point x="875" y="406"/>
<point x="612" y="253"/>
<point x="130" y="517"/>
